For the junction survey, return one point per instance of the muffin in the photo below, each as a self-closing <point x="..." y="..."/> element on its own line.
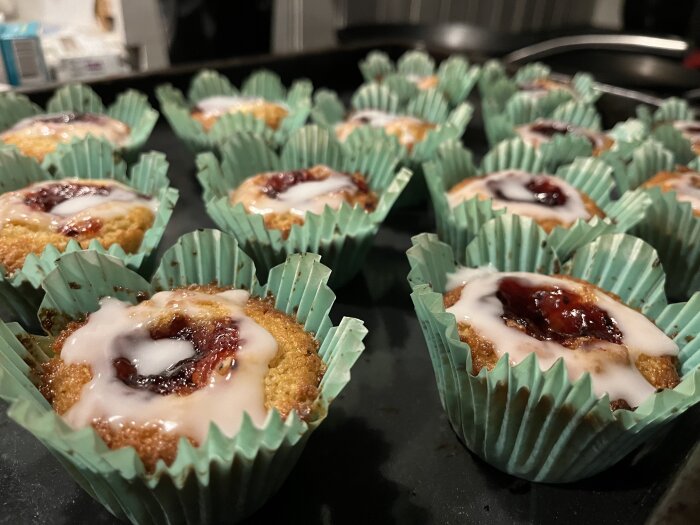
<point x="685" y="182"/>
<point x="559" y="317"/>
<point x="541" y="131"/>
<point x="213" y="109"/>
<point x="690" y="130"/>
<point x="55" y="212"/>
<point x="549" y="200"/>
<point x="283" y="198"/>
<point x="553" y="372"/>
<point x="409" y="130"/>
<point x="208" y="110"/>
<point x="537" y="88"/>
<point x="269" y="356"/>
<point x="39" y="135"/>
<point x="150" y="374"/>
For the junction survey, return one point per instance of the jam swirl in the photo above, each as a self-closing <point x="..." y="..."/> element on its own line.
<point x="543" y="190"/>
<point x="49" y="196"/>
<point x="215" y="343"/>
<point x="277" y="183"/>
<point x="549" y="313"/>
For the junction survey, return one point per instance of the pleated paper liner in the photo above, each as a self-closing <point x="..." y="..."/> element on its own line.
<point x="428" y="105"/>
<point x="537" y="424"/>
<point x="660" y="122"/>
<point x="130" y="107"/>
<point x="498" y="88"/>
<point x="225" y="478"/>
<point x="637" y="165"/>
<point x="459" y="225"/>
<point x="456" y="77"/>
<point x="89" y="158"/>
<point x="262" y="83"/>
<point x="342" y="237"/>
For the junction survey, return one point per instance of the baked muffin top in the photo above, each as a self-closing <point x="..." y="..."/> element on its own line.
<point x="209" y="109"/>
<point x="690" y="129"/>
<point x="409" y="130"/>
<point x="540" y="87"/>
<point x="542" y="131"/>
<point x="63" y="127"/>
<point x="557" y="317"/>
<point x="145" y="375"/>
<point x="538" y="196"/>
<point x="684" y="182"/>
<point x="70" y="206"/>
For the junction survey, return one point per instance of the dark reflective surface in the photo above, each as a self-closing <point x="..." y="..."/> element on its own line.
<point x="386" y="454"/>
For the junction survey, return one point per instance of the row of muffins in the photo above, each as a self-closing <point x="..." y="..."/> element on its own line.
<point x="280" y="180"/>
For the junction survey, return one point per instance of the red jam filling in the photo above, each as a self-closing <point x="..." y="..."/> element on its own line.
<point x="549" y="313"/>
<point x="47" y="197"/>
<point x="90" y="225"/>
<point x="280" y="182"/>
<point x="549" y="128"/>
<point x="544" y="192"/>
<point x="215" y="344"/>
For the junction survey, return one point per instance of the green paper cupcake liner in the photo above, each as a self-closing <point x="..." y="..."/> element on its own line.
<point x="660" y="122"/>
<point x="428" y="105"/>
<point x="130" y="107"/>
<point x="89" y="158"/>
<point x="456" y="78"/>
<point x="342" y="237"/>
<point x="536" y="424"/>
<point x="673" y="229"/>
<point x="460" y="225"/>
<point x="262" y="83"/>
<point x="225" y="478"/>
<point x="635" y="166"/>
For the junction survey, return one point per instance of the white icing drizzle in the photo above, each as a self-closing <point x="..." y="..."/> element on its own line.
<point x="535" y="138"/>
<point x="690" y="129"/>
<point x="539" y="88"/>
<point x="120" y="200"/>
<point x="218" y="105"/>
<point x="223" y="400"/>
<point x="511" y="184"/>
<point x="612" y="368"/>
<point x="309" y="196"/>
<point x="687" y="188"/>
<point x="403" y="126"/>
<point x="101" y="126"/>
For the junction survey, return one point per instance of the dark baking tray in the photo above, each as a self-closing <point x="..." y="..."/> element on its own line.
<point x="386" y="453"/>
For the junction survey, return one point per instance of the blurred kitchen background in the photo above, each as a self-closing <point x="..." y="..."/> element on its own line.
<point x="637" y="43"/>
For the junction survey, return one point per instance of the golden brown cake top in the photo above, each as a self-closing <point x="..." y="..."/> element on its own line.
<point x="181" y="360"/>
<point x="521" y="313"/>
<point x="541" y="87"/>
<point x="409" y="130"/>
<point x="221" y="104"/>
<point x="684" y="182"/>
<point x="539" y="196"/>
<point x="542" y="131"/>
<point x="690" y="129"/>
<point x="63" y="127"/>
<point x="71" y="206"/>
<point x="300" y="191"/>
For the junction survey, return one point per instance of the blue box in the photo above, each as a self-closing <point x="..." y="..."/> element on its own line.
<point x="21" y="50"/>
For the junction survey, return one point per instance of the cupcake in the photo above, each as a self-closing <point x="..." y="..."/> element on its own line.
<point x="676" y="126"/>
<point x="316" y="196"/>
<point x="214" y="109"/>
<point x="671" y="222"/>
<point x="570" y="130"/>
<point x="421" y="125"/>
<point x="572" y="204"/>
<point x="535" y="84"/>
<point x="73" y="205"/>
<point x="415" y="71"/>
<point x="572" y="367"/>
<point x="137" y="374"/>
<point x="74" y="112"/>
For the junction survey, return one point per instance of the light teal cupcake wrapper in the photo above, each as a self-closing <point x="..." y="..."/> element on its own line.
<point x="261" y="83"/>
<point x="342" y="237"/>
<point x="593" y="177"/>
<point x="674" y="141"/>
<point x="534" y="424"/>
<point x="634" y="167"/>
<point x="673" y="229"/>
<point x="90" y="158"/>
<point x="376" y="66"/>
<point x="225" y="478"/>
<point x="130" y="107"/>
<point x="671" y="109"/>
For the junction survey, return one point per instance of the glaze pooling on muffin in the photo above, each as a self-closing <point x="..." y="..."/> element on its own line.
<point x="686" y="184"/>
<point x="522" y="313"/>
<point x="182" y="359"/>
<point x="542" y="131"/>
<point x="409" y="130"/>
<point x="71" y="206"/>
<point x="535" y="195"/>
<point x="298" y="192"/>
<point x="65" y="126"/>
<point x="220" y="105"/>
